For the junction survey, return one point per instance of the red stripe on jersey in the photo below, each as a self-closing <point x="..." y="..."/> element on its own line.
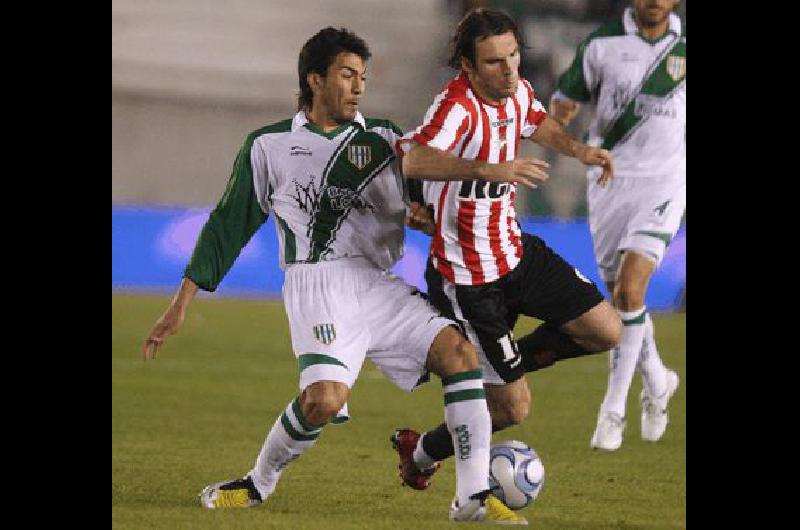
<point x="536" y="117"/>
<point x="460" y="133"/>
<point x="501" y="115"/>
<point x="494" y="238"/>
<point x="466" y="238"/>
<point x="437" y="245"/>
<point x="512" y="236"/>
<point x="483" y="153"/>
<point x="518" y="115"/>
<point x="429" y="131"/>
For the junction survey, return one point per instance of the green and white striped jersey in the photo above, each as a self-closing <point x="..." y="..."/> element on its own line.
<point x="334" y="195"/>
<point x="639" y="87"/>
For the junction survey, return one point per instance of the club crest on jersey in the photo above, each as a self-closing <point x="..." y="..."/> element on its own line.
<point x="676" y="67"/>
<point x="325" y="333"/>
<point x="359" y="155"/>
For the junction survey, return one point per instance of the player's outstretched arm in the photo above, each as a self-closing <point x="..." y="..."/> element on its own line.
<point x="563" y="110"/>
<point x="171" y="320"/>
<point x="551" y="133"/>
<point x="429" y="163"/>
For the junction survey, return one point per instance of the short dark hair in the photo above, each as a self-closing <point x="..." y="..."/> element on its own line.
<point x="319" y="52"/>
<point x="479" y="23"/>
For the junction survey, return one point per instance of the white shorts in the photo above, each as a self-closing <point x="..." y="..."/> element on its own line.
<point x="641" y="214"/>
<point x="342" y="311"/>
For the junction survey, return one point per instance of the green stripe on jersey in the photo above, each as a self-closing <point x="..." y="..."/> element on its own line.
<point x="309" y="359"/>
<point x="463" y="376"/>
<point x="364" y="155"/>
<point x="233" y="221"/>
<point x="659" y="83"/>
<point x="572" y="82"/>
<point x="464" y="395"/>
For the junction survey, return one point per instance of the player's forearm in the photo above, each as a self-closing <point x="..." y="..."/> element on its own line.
<point x="552" y="135"/>
<point x="429" y="163"/>
<point x="185" y="293"/>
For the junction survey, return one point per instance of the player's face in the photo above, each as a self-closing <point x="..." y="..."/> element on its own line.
<point x="343" y="86"/>
<point x="496" y="71"/>
<point x="653" y="12"/>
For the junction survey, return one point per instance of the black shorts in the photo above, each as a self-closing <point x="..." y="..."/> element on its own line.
<point x="542" y="285"/>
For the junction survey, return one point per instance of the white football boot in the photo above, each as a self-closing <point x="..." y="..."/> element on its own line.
<point x="608" y="434"/>
<point x="654" y="410"/>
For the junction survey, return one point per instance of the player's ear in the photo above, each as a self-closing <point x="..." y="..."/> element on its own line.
<point x="315" y="81"/>
<point x="466" y="65"/>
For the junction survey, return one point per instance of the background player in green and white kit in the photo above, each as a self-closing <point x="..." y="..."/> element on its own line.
<point x="332" y="181"/>
<point x="634" y="69"/>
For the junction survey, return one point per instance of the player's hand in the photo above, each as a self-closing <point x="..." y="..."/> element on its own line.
<point x="420" y="217"/>
<point x="165" y="326"/>
<point x="594" y="156"/>
<point x="525" y="171"/>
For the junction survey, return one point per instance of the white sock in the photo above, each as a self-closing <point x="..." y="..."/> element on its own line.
<point x="290" y="436"/>
<point x="421" y="458"/>
<point x="470" y="426"/>
<point x="654" y="373"/>
<point x="622" y="361"/>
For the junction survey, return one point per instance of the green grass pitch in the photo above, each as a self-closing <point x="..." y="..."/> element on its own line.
<point x="199" y="413"/>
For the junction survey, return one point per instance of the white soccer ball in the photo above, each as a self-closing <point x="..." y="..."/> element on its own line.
<point x="516" y="474"/>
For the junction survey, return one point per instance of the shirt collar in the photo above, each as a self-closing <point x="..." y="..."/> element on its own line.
<point x="300" y="119"/>
<point x="630" y="23"/>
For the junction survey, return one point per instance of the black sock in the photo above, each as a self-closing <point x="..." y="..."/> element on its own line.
<point x="545" y="346"/>
<point x="438" y="444"/>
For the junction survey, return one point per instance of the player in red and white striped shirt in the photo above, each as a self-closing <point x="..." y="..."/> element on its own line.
<point x="483" y="271"/>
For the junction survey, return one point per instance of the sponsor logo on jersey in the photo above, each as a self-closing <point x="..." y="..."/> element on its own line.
<point x="298" y="150"/>
<point x="359" y="155"/>
<point x="676" y="66"/>
<point x="500" y="123"/>
<point x="325" y="333"/>
<point x="344" y="198"/>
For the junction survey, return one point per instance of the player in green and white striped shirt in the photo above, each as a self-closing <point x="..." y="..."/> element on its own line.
<point x="331" y="179"/>
<point x="634" y="70"/>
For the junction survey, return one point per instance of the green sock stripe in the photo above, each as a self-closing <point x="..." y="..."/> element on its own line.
<point x="287" y="425"/>
<point x="464" y="395"/>
<point x="462" y="376"/>
<point x="666" y="237"/>
<point x="635" y="321"/>
<point x="340" y="419"/>
<point x="309" y="359"/>
<point x="307" y="426"/>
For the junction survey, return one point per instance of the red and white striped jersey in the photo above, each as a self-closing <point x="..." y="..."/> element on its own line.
<point x="477" y="237"/>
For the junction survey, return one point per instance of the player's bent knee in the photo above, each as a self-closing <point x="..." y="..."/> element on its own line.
<point x="322" y="400"/>
<point x="628" y="297"/>
<point x="451" y="353"/>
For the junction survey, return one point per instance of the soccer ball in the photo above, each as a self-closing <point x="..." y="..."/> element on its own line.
<point x="516" y="474"/>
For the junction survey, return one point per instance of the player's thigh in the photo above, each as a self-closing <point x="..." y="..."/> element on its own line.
<point x="403" y="326"/>
<point x="609" y="214"/>
<point x="552" y="289"/>
<point x="329" y="336"/>
<point x="482" y="313"/>
<point x="659" y="207"/>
